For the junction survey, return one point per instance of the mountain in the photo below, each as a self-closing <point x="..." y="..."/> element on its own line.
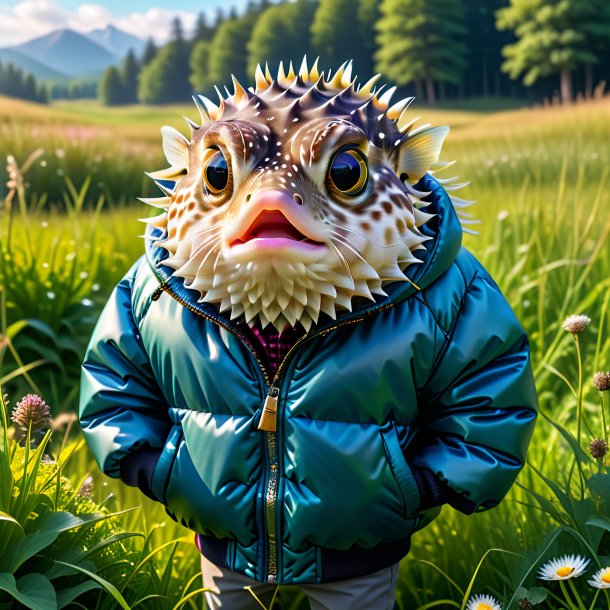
<point x="29" y="65"/>
<point x="68" y="52"/>
<point x="116" y="41"/>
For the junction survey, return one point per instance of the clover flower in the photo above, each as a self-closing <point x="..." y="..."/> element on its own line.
<point x="483" y="602"/>
<point x="601" y="579"/>
<point x="576" y="324"/>
<point x="567" y="566"/>
<point x="32" y="413"/>
<point x="598" y="448"/>
<point x="601" y="381"/>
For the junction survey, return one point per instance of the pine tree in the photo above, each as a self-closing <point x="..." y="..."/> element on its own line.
<point x="368" y="14"/>
<point x="335" y="34"/>
<point x="111" y="91"/>
<point x="228" y="54"/>
<point x="202" y="30"/>
<point x="421" y="41"/>
<point x="150" y="50"/>
<point x="199" y="62"/>
<point x="554" y="37"/>
<point x="129" y="74"/>
<point x="293" y="20"/>
<point x="166" y="78"/>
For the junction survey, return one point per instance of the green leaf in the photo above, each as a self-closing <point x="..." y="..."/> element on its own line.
<point x="107" y="585"/>
<point x="67" y="596"/>
<point x="5" y="517"/>
<point x="32" y="590"/>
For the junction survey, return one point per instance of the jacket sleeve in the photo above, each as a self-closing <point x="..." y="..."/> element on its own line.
<point x="122" y="411"/>
<point x="478" y="408"/>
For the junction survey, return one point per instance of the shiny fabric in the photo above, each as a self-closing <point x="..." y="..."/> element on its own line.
<point x="437" y="378"/>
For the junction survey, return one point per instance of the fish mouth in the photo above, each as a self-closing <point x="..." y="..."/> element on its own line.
<point x="271" y="229"/>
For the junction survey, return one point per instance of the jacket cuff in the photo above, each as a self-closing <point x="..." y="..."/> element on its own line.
<point x="434" y="492"/>
<point x="137" y="468"/>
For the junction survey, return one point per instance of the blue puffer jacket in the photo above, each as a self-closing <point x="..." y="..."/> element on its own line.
<point x="423" y="397"/>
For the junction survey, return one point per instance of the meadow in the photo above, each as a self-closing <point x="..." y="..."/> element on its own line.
<point x="69" y="231"/>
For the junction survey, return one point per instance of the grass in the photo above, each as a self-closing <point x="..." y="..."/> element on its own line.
<point x="540" y="179"/>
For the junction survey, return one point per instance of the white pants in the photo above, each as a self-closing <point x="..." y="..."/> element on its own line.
<point x="371" y="592"/>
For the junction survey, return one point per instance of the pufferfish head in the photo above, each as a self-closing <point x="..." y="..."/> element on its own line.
<point x="295" y="196"/>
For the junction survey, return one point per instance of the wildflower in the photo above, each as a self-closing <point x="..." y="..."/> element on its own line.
<point x="601" y="579"/>
<point x="598" y="448"/>
<point x="483" y="602"/>
<point x="32" y="413"/>
<point x="576" y="324"/>
<point x="86" y="489"/>
<point x="15" y="178"/>
<point x="601" y="381"/>
<point x="568" y="566"/>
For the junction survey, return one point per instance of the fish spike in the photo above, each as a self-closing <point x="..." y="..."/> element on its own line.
<point x="346" y="79"/>
<point x="406" y="128"/>
<point x="157" y="202"/>
<point x="164" y="189"/>
<point x="201" y="109"/>
<point x="335" y="81"/>
<point x="367" y="89"/>
<point x="314" y="73"/>
<point x="291" y="75"/>
<point x="268" y="74"/>
<point x="282" y="79"/>
<point x="227" y="92"/>
<point x="192" y="125"/>
<point x="212" y="109"/>
<point x="384" y="100"/>
<point x="240" y="95"/>
<point x="221" y="98"/>
<point x="259" y="77"/>
<point x="395" y="111"/>
<point x="304" y="70"/>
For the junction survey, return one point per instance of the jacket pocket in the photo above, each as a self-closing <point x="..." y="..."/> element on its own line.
<point x="166" y="460"/>
<point x="403" y="475"/>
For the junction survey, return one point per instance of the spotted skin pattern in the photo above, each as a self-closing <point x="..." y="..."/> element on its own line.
<point x="279" y="140"/>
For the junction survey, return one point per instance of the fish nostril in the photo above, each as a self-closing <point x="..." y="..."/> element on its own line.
<point x="298" y="199"/>
<point x="248" y="197"/>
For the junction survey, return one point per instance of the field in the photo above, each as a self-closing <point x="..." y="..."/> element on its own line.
<point x="540" y="180"/>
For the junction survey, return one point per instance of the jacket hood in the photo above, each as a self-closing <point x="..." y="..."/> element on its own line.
<point x="445" y="232"/>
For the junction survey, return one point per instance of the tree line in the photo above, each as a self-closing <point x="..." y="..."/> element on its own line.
<point x="435" y="49"/>
<point x="14" y="82"/>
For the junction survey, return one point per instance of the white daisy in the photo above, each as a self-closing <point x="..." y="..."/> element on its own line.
<point x="483" y="602"/>
<point x="601" y="579"/>
<point x="568" y="566"/>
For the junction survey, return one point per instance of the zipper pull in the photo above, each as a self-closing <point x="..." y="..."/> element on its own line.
<point x="157" y="292"/>
<point x="269" y="416"/>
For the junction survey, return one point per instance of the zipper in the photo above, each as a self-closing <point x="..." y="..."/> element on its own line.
<point x="268" y="420"/>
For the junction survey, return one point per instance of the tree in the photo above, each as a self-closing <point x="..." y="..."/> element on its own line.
<point x="202" y="30"/>
<point x="294" y="21"/>
<point x="333" y="34"/>
<point x="200" y="60"/>
<point x="177" y="32"/>
<point x="150" y="50"/>
<point x="368" y="14"/>
<point x="553" y="37"/>
<point x="129" y="74"/>
<point x="166" y="78"/>
<point x="228" y="53"/>
<point x="421" y="41"/>
<point x="111" y="91"/>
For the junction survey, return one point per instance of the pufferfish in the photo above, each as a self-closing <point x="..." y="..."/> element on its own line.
<point x="296" y="196"/>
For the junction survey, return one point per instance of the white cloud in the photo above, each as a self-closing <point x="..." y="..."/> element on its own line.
<point x="31" y="18"/>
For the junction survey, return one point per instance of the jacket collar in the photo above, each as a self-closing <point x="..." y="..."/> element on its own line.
<point x="444" y="229"/>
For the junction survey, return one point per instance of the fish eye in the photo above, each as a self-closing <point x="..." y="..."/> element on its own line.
<point x="216" y="172"/>
<point x="348" y="172"/>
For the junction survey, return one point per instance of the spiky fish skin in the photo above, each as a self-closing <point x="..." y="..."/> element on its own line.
<point x="278" y="140"/>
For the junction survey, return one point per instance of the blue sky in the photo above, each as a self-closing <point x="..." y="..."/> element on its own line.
<point x="21" y="20"/>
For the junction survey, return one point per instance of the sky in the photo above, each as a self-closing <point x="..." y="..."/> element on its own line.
<point x="26" y="19"/>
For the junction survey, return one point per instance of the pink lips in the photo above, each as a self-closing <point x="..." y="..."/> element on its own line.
<point x="272" y="225"/>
